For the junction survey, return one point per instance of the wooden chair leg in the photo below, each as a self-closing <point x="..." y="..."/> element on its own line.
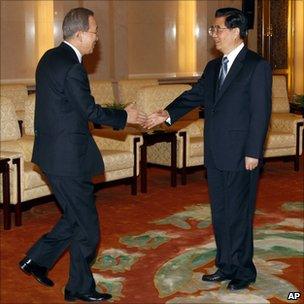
<point x="297" y="156"/>
<point x="18" y="214"/>
<point x="134" y="178"/>
<point x="184" y="170"/>
<point x="6" y="193"/>
<point x="184" y="176"/>
<point x="296" y="162"/>
<point x="134" y="186"/>
<point x="173" y="161"/>
<point x="6" y="217"/>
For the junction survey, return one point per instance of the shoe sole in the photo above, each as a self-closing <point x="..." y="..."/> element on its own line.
<point x="237" y="289"/>
<point x="76" y="299"/>
<point x="216" y="281"/>
<point x="37" y="279"/>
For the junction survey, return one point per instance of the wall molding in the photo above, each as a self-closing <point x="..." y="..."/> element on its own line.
<point x="28" y="81"/>
<point x="162" y="75"/>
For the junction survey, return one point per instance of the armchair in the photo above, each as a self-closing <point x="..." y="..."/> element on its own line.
<point x="284" y="135"/>
<point x="17" y="93"/>
<point x="128" y="88"/>
<point x="190" y="149"/>
<point x="120" y="152"/>
<point x="102" y="90"/>
<point x="103" y="93"/>
<point x="27" y="181"/>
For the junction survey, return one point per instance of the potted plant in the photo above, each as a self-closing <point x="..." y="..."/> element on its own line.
<point x="116" y="106"/>
<point x="297" y="104"/>
<point x="298" y="99"/>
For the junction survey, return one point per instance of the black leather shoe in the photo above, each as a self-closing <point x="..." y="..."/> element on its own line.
<point x="215" y="277"/>
<point x="92" y="297"/>
<point x="29" y="267"/>
<point x="236" y="284"/>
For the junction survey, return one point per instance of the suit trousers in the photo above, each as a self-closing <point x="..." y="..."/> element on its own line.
<point x="77" y="230"/>
<point x="233" y="195"/>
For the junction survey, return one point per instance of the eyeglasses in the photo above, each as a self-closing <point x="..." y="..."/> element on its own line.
<point x="215" y="29"/>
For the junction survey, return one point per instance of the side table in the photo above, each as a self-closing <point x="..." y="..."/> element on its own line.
<point x="151" y="139"/>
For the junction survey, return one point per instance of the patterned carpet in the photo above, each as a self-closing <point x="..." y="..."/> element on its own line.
<point x="156" y="246"/>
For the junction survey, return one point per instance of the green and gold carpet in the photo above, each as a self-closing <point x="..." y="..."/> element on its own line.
<point x="156" y="246"/>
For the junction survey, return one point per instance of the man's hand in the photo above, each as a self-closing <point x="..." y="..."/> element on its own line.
<point x="251" y="163"/>
<point x="135" y="116"/>
<point x="156" y="118"/>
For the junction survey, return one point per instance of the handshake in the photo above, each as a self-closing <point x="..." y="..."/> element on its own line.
<point x="146" y="121"/>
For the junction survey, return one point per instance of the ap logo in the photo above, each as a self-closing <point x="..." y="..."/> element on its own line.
<point x="293" y="295"/>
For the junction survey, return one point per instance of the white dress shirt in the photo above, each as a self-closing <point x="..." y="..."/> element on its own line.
<point x="232" y="55"/>
<point x="79" y="56"/>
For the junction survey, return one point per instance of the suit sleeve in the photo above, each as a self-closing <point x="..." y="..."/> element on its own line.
<point x="188" y="100"/>
<point x="260" y="109"/>
<point x="78" y="92"/>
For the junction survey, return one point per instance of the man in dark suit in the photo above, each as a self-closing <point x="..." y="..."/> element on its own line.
<point x="66" y="152"/>
<point x="235" y="91"/>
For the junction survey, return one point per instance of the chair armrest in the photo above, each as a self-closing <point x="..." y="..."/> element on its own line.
<point x="27" y="143"/>
<point x="14" y="157"/>
<point x="120" y="141"/>
<point x="23" y="145"/>
<point x="115" y="140"/>
<point x="10" y="154"/>
<point x="186" y="129"/>
<point x="11" y="147"/>
<point x="193" y="128"/>
<point x="286" y="122"/>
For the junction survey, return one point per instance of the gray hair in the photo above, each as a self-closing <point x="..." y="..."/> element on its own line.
<point x="76" y="20"/>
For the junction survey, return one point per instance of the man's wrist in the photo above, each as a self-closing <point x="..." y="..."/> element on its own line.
<point x="166" y="113"/>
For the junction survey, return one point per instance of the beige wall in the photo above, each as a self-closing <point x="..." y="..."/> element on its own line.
<point x="152" y="41"/>
<point x="137" y="38"/>
<point x="299" y="49"/>
<point x="18" y="49"/>
<point x="20" y="45"/>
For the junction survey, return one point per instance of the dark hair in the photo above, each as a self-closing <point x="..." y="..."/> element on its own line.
<point x="234" y="18"/>
<point x="76" y="20"/>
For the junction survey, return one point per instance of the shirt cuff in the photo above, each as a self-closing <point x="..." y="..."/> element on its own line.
<point x="168" y="120"/>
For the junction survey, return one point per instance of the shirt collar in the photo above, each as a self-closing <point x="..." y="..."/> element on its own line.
<point x="79" y="56"/>
<point x="232" y="55"/>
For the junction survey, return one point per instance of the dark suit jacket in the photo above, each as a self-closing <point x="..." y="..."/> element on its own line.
<point x="236" y="117"/>
<point x="64" y="106"/>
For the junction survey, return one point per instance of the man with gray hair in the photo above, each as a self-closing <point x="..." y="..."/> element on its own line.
<point x="67" y="154"/>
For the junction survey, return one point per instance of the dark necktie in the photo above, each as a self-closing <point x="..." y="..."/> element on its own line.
<point x="223" y="72"/>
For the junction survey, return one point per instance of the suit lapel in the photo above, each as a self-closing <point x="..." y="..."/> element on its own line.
<point x="215" y="79"/>
<point x="233" y="72"/>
